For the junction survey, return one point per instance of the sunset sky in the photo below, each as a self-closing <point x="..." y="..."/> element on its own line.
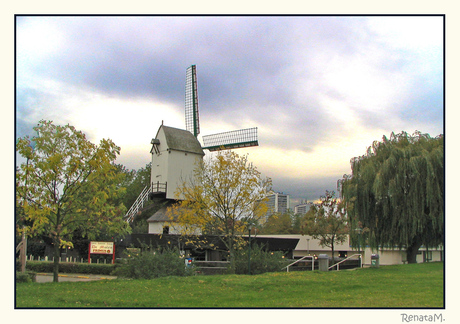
<point x="320" y="89"/>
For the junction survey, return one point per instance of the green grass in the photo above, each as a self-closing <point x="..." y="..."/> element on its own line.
<point x="405" y="286"/>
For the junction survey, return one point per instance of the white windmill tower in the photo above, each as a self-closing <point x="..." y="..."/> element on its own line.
<point x="175" y="151"/>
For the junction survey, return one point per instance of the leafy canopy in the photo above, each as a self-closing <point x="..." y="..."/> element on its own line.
<point x="225" y="195"/>
<point x="282" y="223"/>
<point x="396" y="191"/>
<point x="68" y="184"/>
<point x="328" y="221"/>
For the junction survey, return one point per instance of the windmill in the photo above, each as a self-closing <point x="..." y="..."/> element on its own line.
<point x="175" y="151"/>
<point x="220" y="141"/>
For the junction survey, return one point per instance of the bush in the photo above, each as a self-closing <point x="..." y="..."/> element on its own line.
<point x="261" y="261"/>
<point x="148" y="265"/>
<point x="70" y="267"/>
<point x="26" y="276"/>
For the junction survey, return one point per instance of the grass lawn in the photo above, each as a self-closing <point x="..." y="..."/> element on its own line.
<point x="405" y="286"/>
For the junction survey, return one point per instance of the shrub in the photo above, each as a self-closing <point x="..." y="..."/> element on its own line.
<point x="148" y="265"/>
<point x="70" y="267"/>
<point x="26" y="276"/>
<point x="261" y="261"/>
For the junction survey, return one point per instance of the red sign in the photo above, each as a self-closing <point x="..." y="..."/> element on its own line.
<point x="101" y="248"/>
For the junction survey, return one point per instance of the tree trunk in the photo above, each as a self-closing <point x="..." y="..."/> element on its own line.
<point x="332" y="250"/>
<point x="412" y="251"/>
<point x="231" y="254"/>
<point x="56" y="262"/>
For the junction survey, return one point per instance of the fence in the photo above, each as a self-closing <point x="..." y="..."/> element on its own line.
<point x="68" y="259"/>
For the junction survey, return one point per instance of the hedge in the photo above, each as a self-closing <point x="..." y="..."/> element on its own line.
<point x="70" y="267"/>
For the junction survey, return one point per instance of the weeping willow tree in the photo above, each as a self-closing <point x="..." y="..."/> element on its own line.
<point x="396" y="192"/>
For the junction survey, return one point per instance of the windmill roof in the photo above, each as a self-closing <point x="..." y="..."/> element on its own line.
<point x="181" y="140"/>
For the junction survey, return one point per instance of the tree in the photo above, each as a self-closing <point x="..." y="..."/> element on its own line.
<point x="285" y="223"/>
<point x="327" y="222"/>
<point x="68" y="185"/>
<point x="134" y="182"/>
<point x="224" y="197"/>
<point x="396" y="190"/>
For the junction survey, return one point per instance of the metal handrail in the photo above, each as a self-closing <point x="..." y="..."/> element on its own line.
<point x="338" y="263"/>
<point x="143" y="197"/>
<point x="137" y="204"/>
<point x="308" y="256"/>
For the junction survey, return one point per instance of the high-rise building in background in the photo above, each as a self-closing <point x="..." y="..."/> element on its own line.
<point x="302" y="208"/>
<point x="278" y="202"/>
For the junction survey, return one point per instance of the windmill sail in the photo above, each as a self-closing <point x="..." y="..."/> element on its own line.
<point x="192" y="123"/>
<point x="231" y="140"/>
<point x="221" y="141"/>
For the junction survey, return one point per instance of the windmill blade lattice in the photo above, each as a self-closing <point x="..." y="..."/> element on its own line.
<point x="231" y="140"/>
<point x="221" y="141"/>
<point x="192" y="121"/>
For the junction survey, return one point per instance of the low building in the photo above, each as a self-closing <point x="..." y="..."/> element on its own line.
<point x="159" y="224"/>
<point x="307" y="245"/>
<point x="205" y="247"/>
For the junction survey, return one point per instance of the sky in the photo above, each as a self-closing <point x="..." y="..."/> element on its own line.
<point x="320" y="89"/>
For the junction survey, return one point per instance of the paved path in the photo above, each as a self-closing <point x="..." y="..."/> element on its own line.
<point x="48" y="277"/>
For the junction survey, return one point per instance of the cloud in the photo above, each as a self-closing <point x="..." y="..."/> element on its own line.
<point x="317" y="87"/>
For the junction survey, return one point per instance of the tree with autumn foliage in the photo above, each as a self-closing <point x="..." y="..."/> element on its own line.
<point x="327" y="221"/>
<point x="225" y="195"/>
<point x="396" y="191"/>
<point x="68" y="185"/>
<point x="282" y="223"/>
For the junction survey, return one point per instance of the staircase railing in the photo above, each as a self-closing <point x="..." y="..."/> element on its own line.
<point x="338" y="263"/>
<point x="138" y="204"/>
<point x="143" y="197"/>
<point x="308" y="256"/>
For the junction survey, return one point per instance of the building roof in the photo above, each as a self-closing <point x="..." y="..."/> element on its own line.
<point x="181" y="140"/>
<point x="160" y="215"/>
<point x="267" y="243"/>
